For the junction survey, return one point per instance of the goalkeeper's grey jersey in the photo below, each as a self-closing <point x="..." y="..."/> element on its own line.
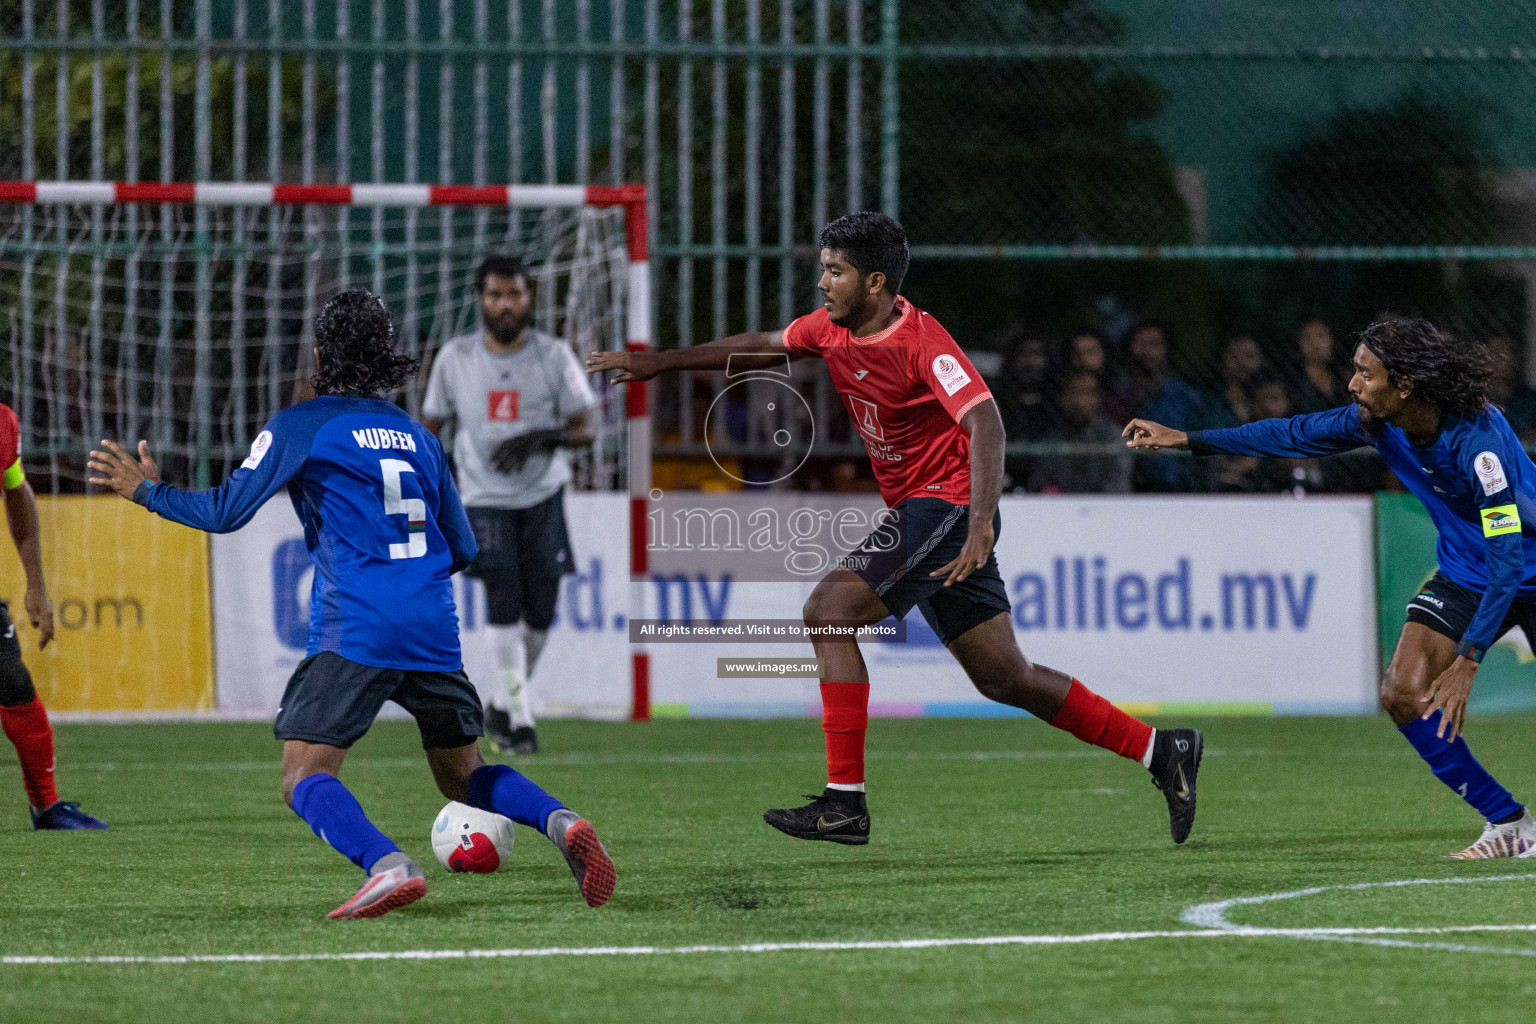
<point x="489" y="398"/>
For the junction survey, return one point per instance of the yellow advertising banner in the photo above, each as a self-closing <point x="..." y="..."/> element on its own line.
<point x="131" y="603"/>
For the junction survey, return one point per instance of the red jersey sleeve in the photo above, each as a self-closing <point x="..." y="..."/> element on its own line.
<point x="804" y="334"/>
<point x="948" y="373"/>
<point x="10" y="448"/>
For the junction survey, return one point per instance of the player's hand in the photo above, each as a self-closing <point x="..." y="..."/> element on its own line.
<point x="512" y="454"/>
<point x="40" y="611"/>
<point x="632" y="366"/>
<point x="978" y="548"/>
<point x="120" y="471"/>
<point x="1152" y="436"/>
<point x="1448" y="694"/>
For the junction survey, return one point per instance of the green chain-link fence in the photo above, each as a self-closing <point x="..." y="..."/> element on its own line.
<point x="1232" y="170"/>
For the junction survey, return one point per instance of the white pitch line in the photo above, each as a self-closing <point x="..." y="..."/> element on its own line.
<point x="1214" y="915"/>
<point x="1237" y="932"/>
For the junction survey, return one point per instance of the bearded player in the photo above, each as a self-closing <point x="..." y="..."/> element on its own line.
<point x="22" y="715"/>
<point x="935" y="441"/>
<point x="385" y="528"/>
<point x="1421" y="400"/>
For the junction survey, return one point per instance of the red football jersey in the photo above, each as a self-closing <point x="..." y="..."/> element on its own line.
<point x="906" y="389"/>
<point x="10" y="448"/>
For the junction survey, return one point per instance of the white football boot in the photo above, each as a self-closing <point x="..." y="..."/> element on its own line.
<point x="1512" y="839"/>
<point x="395" y="882"/>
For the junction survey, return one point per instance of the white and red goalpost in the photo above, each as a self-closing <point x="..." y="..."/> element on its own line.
<point x="145" y="308"/>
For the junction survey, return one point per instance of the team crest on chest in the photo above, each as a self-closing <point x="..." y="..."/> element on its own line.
<point x="866" y="416"/>
<point x="501" y="406"/>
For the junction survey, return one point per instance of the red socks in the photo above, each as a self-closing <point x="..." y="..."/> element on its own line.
<point x="844" y="718"/>
<point x="26" y="725"/>
<point x="1086" y="715"/>
<point x="1095" y="720"/>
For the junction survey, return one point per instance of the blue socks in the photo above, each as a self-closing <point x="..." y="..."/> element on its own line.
<point x="336" y="816"/>
<point x="498" y="788"/>
<point x="1454" y="765"/>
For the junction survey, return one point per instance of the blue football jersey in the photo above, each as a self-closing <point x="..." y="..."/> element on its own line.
<point x="382" y="521"/>
<point x="1476" y="481"/>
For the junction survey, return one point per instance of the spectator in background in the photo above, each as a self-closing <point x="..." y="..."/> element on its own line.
<point x="1271" y="400"/>
<point x="1318" y="384"/>
<point x="1083" y="422"/>
<point x="1027" y="405"/>
<point x="1088" y="352"/>
<point x="1148" y="390"/>
<point x="1507" y="391"/>
<point x="1241" y="363"/>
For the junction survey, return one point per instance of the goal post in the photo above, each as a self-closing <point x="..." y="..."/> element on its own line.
<point x="182" y="313"/>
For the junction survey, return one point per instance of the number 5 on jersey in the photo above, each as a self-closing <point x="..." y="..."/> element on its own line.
<point x="414" y="510"/>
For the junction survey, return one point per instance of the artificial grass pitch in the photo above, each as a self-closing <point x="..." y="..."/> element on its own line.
<point x="980" y="828"/>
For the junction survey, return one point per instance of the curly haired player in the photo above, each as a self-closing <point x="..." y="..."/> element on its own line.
<point x="935" y="440"/>
<point x="385" y="528"/>
<point x="1421" y="400"/>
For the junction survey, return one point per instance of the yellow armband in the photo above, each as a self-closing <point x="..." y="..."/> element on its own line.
<point x="1498" y="520"/>
<point x="14" y="477"/>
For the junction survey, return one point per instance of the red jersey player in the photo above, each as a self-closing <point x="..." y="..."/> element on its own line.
<point x="935" y="440"/>
<point x="22" y="715"/>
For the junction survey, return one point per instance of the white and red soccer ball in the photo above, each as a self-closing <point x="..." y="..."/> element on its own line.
<point x="466" y="838"/>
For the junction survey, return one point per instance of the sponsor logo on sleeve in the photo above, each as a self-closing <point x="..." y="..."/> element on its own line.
<point x="259" y="448"/>
<point x="951" y="375"/>
<point x="1500" y="520"/>
<point x="1490" y="471"/>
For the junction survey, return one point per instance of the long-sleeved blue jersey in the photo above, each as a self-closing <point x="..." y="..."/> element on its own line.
<point x="1476" y="481"/>
<point x="382" y="521"/>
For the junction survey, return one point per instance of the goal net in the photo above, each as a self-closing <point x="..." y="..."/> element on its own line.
<point x="187" y="321"/>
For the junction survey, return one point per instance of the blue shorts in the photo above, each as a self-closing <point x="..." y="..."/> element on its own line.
<point x="1448" y="609"/>
<point x="332" y="700"/>
<point x="922" y="535"/>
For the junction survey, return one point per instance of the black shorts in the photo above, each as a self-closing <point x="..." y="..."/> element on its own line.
<point x="922" y="535"/>
<point x="15" y="681"/>
<point x="10" y="643"/>
<point x="1448" y="608"/>
<point x="523" y="554"/>
<point x="333" y="701"/>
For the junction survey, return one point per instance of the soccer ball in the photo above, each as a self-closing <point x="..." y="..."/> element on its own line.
<point x="466" y="838"/>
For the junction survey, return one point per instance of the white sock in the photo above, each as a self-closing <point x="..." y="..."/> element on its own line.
<point x="1146" y="759"/>
<point x="847" y="787"/>
<point x="511" y="659"/>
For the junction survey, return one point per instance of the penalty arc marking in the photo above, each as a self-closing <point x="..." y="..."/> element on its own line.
<point x="1210" y="921"/>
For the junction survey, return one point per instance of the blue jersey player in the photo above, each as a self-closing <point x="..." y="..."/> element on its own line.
<point x="1421" y="400"/>
<point x="385" y="529"/>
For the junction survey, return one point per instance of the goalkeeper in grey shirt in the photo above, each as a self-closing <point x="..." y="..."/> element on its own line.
<point x="517" y="399"/>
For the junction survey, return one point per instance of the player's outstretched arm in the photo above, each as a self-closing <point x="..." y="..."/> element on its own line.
<point x="1150" y="436"/>
<point x="21" y="517"/>
<point x="1298" y="437"/>
<point x="277" y="455"/>
<point x="734" y="353"/>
